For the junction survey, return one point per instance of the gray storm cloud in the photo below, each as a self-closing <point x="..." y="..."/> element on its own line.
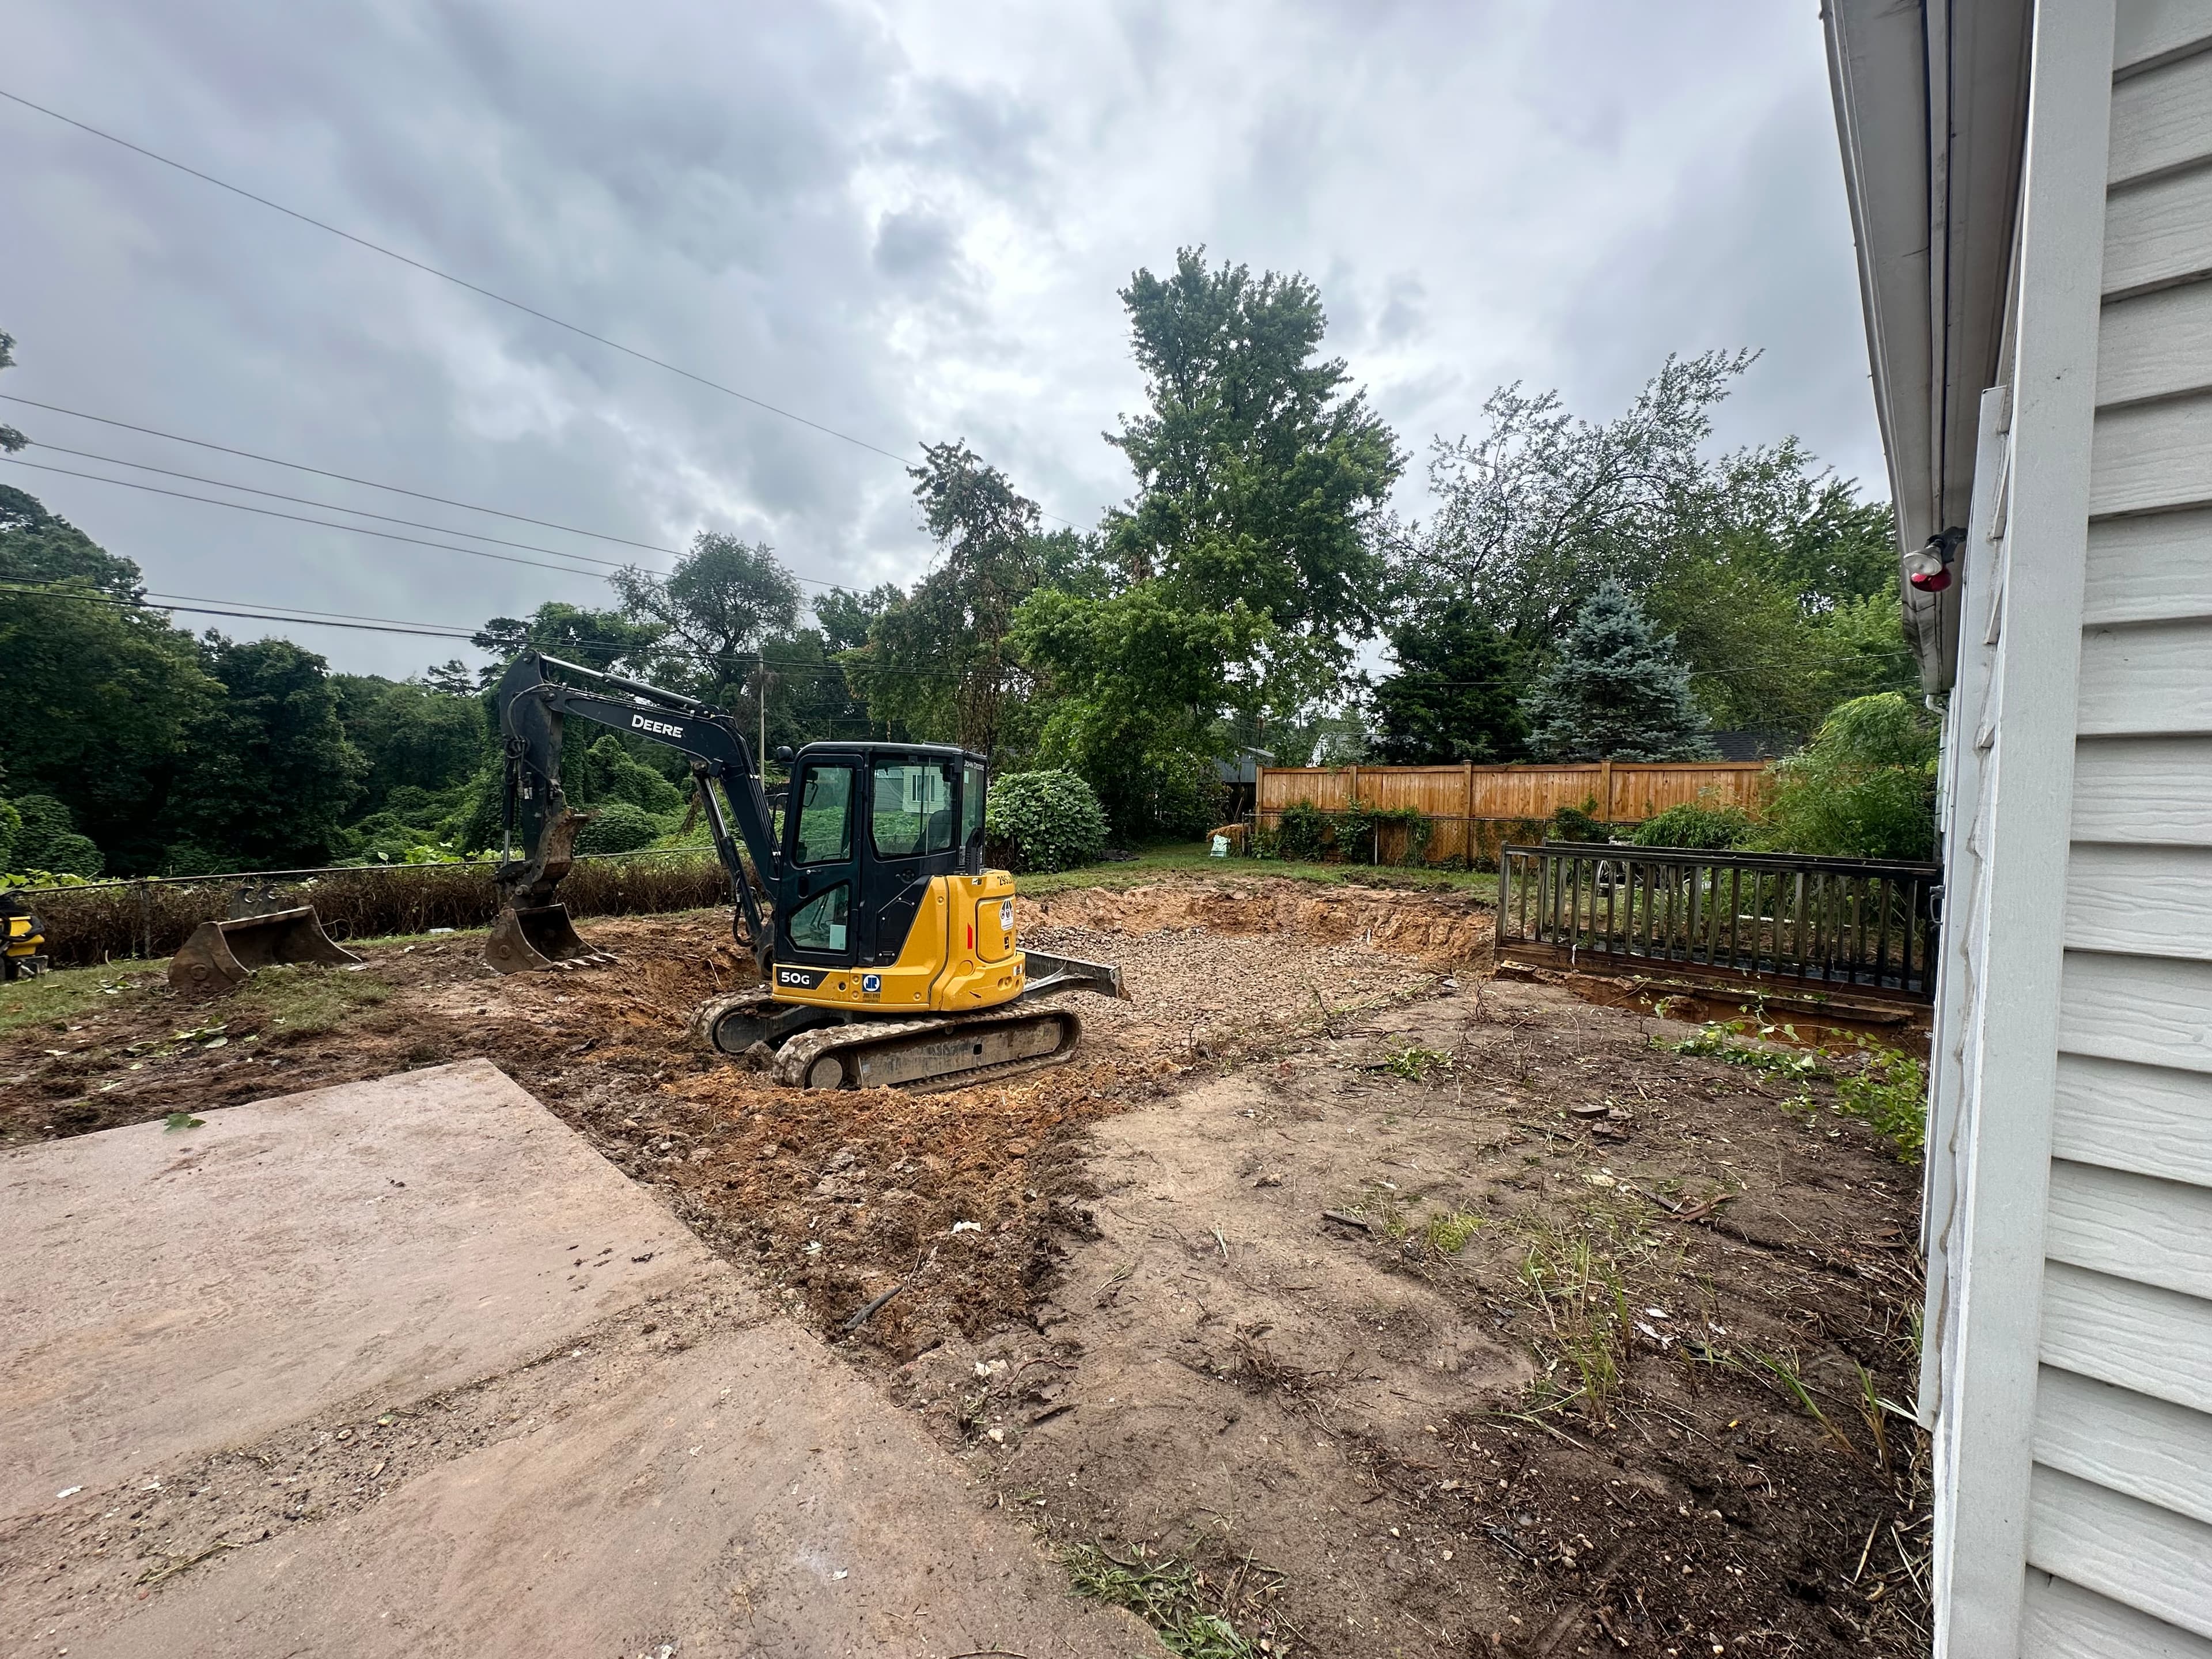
<point x="906" y="223"/>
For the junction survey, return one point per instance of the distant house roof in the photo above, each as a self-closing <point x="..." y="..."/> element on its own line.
<point x="1754" y="745"/>
<point x="1244" y="767"/>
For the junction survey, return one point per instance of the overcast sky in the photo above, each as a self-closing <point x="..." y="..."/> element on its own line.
<point x="906" y="222"/>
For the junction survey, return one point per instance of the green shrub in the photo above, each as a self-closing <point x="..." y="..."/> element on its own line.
<point x="1302" y="833"/>
<point x="47" y="839"/>
<point x="1698" y="827"/>
<point x="1890" y="1094"/>
<point x="613" y="774"/>
<point x="619" y="827"/>
<point x="1864" y="787"/>
<point x="1578" y="823"/>
<point x="11" y="825"/>
<point x="1045" y="820"/>
<point x="1360" y="837"/>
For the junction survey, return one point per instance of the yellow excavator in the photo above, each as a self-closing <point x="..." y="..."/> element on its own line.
<point x="889" y="954"/>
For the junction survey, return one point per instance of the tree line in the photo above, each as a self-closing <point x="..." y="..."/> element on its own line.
<point x="1582" y="588"/>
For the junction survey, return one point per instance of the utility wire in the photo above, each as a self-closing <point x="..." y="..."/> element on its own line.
<point x="327" y="524"/>
<point x="447" y="277"/>
<point x="192" y="604"/>
<point x="343" y="477"/>
<point x="475" y="287"/>
<point x="359" y="512"/>
<point x="328" y="506"/>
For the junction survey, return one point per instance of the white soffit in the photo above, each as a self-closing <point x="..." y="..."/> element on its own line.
<point x="1933" y="223"/>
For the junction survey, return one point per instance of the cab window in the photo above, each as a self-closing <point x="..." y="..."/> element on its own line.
<point x="912" y="811"/>
<point x="819" y="924"/>
<point x="822" y="809"/>
<point x="971" y="804"/>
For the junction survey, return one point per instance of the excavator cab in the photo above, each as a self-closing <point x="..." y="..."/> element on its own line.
<point x="868" y="828"/>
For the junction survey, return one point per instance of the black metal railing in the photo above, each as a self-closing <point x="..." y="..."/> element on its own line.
<point x="1862" y="925"/>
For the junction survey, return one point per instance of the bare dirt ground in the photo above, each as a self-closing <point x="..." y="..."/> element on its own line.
<point x="1339" y="1300"/>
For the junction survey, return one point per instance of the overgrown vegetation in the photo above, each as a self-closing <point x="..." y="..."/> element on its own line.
<point x="1890" y="1093"/>
<point x="1169" y="1594"/>
<point x="88" y="926"/>
<point x="1885" y="1088"/>
<point x="1044" y="821"/>
<point x="1864" y="787"/>
<point x="1699" y="826"/>
<point x="1574" y="1273"/>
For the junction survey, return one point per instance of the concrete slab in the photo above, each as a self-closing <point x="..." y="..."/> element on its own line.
<point x="573" y="1430"/>
<point x="163" y="1292"/>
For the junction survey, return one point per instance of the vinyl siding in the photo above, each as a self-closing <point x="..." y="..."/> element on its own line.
<point x="2120" y="1539"/>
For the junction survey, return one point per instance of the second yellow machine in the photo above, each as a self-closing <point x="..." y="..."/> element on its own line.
<point x="890" y="954"/>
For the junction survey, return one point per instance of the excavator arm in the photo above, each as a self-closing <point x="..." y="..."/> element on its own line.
<point x="535" y="699"/>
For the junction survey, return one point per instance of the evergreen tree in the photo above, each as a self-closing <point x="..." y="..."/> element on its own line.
<point x="1615" y="691"/>
<point x="1457" y="696"/>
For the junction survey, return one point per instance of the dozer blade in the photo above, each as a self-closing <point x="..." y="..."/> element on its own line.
<point x="220" y="956"/>
<point x="1048" y="973"/>
<point x="537" y="939"/>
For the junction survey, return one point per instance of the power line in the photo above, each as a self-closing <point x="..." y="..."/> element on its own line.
<point x="200" y="605"/>
<point x="332" y="506"/>
<point x="327" y="524"/>
<point x="328" y="506"/>
<point x="447" y="277"/>
<point x="475" y="287"/>
<point x="328" y="620"/>
<point x="343" y="477"/>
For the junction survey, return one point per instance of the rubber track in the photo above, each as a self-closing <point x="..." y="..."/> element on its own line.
<point x="797" y="1057"/>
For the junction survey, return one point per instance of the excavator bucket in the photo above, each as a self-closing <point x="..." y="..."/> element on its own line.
<point x="220" y="956"/>
<point x="532" y="938"/>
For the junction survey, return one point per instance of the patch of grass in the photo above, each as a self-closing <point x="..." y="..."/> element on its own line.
<point x="1575" y="1276"/>
<point x="1784" y="1368"/>
<point x="65" y="995"/>
<point x="1413" y="1063"/>
<point x="1167" y="1594"/>
<point x="1890" y="1094"/>
<point x="1153" y="862"/>
<point x="1448" y="1234"/>
<point x="1725" y="1042"/>
<point x="290" y="1003"/>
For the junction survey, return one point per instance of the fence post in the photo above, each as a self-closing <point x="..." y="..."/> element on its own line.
<point x="1466" y="814"/>
<point x="1605" y="790"/>
<point x="145" y="921"/>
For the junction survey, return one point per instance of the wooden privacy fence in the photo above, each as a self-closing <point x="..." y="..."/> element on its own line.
<point x="1472" y="810"/>
<point x="1861" y="925"/>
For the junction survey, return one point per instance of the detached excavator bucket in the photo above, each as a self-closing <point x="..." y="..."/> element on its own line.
<point x="220" y="956"/>
<point x="528" y="940"/>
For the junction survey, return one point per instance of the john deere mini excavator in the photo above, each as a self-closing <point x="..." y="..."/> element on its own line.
<point x="889" y="955"/>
